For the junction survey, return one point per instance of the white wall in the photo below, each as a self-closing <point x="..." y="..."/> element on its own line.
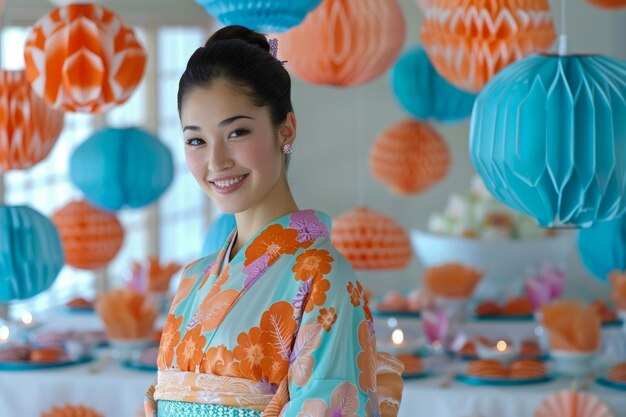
<point x="337" y="126"/>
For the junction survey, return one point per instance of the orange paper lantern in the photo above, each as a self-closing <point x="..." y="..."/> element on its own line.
<point x="409" y="157"/>
<point x="83" y="58"/>
<point x="468" y="41"/>
<point x="345" y="42"/>
<point x="29" y="128"/>
<point x="72" y="411"/>
<point x="370" y="240"/>
<point x="91" y="237"/>
<point x="608" y="4"/>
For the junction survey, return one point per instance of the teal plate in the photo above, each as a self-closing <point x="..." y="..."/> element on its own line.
<point x="401" y="314"/>
<point x="418" y="375"/>
<point x="543" y="357"/>
<point x="503" y="382"/>
<point x="139" y="366"/>
<point x="610" y="384"/>
<point x="612" y="323"/>
<point x="27" y="366"/>
<point x="79" y="310"/>
<point x="519" y="317"/>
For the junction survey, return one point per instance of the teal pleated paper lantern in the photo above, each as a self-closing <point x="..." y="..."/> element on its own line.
<point x="115" y="168"/>
<point x="602" y="247"/>
<point x="548" y="137"/>
<point x="218" y="233"/>
<point x="425" y="94"/>
<point x="264" y="16"/>
<point x="31" y="254"/>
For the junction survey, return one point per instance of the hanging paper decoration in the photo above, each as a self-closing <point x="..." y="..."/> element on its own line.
<point x="409" y="157"/>
<point x="548" y="135"/>
<point x="345" y="42"/>
<point x="83" y="58"/>
<point x="31" y="255"/>
<point x="218" y="233"/>
<point x="602" y="247"/>
<point x="91" y="237"/>
<point x="29" y="128"/>
<point x="573" y="403"/>
<point x="370" y="240"/>
<point x="468" y="41"/>
<point x="70" y="410"/>
<point x="424" y="93"/>
<point x="115" y="168"/>
<point x="608" y="4"/>
<point x="60" y="3"/>
<point x="263" y="16"/>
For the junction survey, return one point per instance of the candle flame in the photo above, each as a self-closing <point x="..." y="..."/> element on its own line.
<point x="501" y="346"/>
<point x="4" y="333"/>
<point x="27" y="318"/>
<point x="397" y="337"/>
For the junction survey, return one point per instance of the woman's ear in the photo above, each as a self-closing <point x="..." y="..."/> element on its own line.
<point x="288" y="130"/>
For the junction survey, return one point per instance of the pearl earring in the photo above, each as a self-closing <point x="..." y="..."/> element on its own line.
<point x="287" y="148"/>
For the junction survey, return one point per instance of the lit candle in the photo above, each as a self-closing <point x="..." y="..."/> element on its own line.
<point x="4" y="334"/>
<point x="501" y="346"/>
<point x="397" y="337"/>
<point x="27" y="320"/>
<point x="502" y="352"/>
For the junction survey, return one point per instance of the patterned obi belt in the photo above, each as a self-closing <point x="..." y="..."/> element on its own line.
<point x="182" y="394"/>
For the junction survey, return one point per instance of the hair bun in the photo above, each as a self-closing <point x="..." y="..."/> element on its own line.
<point x="241" y="33"/>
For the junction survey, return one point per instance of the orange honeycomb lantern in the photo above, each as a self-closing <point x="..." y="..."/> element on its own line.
<point x="29" y="127"/>
<point x="345" y="42"/>
<point x="370" y="240"/>
<point x="83" y="58"/>
<point x="72" y="411"/>
<point x="608" y="4"/>
<point x="91" y="237"/>
<point x="409" y="157"/>
<point x="468" y="41"/>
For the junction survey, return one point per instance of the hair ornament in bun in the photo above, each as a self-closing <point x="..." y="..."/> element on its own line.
<point x="274" y="48"/>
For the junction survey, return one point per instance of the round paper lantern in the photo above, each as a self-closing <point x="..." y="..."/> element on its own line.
<point x="424" y="93"/>
<point x="345" y="42"/>
<point x="218" y="233"/>
<point x="91" y="237"/>
<point x="370" y="240"/>
<point x="468" y="41"/>
<point x="31" y="255"/>
<point x="70" y="410"/>
<point x="115" y="168"/>
<point x="29" y="127"/>
<point x="602" y="247"/>
<point x="409" y="157"/>
<point x="263" y="16"/>
<point x="83" y="58"/>
<point x="548" y="136"/>
<point x="608" y="4"/>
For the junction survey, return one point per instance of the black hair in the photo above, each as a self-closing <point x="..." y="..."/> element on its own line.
<point x="242" y="57"/>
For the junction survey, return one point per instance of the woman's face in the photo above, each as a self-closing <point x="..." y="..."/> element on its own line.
<point x="231" y="146"/>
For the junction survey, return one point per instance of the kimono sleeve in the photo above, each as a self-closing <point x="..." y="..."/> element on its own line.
<point x="333" y="361"/>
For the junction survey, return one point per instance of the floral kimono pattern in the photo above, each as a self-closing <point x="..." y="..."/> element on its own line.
<point x="285" y="329"/>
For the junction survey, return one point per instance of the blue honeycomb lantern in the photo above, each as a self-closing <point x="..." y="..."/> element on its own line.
<point x="218" y="233"/>
<point x="266" y="16"/>
<point x="425" y="94"/>
<point x="602" y="247"/>
<point x="31" y="254"/>
<point x="117" y="168"/>
<point x="548" y="138"/>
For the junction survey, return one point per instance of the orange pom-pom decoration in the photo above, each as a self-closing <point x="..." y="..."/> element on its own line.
<point x="608" y="4"/>
<point x="29" y="127"/>
<point x="72" y="411"/>
<point x="370" y="240"/>
<point x="409" y="157"/>
<point x="345" y="42"/>
<point x="83" y="58"/>
<point x="468" y="41"/>
<point x="91" y="237"/>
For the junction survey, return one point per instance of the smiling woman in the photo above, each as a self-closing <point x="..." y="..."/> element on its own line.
<point x="303" y="340"/>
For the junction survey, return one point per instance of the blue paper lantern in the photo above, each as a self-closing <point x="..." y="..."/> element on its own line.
<point x="122" y="167"/>
<point x="602" y="247"/>
<point x="31" y="254"/>
<point x="218" y="233"/>
<point x="268" y="16"/>
<point x="548" y="137"/>
<point x="425" y="94"/>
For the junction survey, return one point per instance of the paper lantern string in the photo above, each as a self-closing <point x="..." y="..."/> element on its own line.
<point x="563" y="35"/>
<point x="274" y="49"/>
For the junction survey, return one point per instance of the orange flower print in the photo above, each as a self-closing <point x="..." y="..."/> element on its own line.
<point x="366" y="359"/>
<point x="184" y="288"/>
<point x="318" y="294"/>
<point x="169" y="339"/>
<point x="273" y="241"/>
<point x="274" y="368"/>
<point x="344" y="402"/>
<point x="327" y="318"/>
<point x="249" y="354"/>
<point x="219" y="361"/>
<point x="189" y="351"/>
<point x="277" y="329"/>
<point x="312" y="263"/>
<point x="355" y="294"/>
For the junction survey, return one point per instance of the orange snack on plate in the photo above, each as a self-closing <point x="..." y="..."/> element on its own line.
<point x="79" y="302"/>
<point x="47" y="354"/>
<point x="527" y="368"/>
<point x="412" y="364"/>
<point x="517" y="306"/>
<point x="486" y="368"/>
<point x="530" y="347"/>
<point x="451" y="280"/>
<point x="606" y="314"/>
<point x="617" y="373"/>
<point x="468" y="349"/>
<point x="487" y="308"/>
